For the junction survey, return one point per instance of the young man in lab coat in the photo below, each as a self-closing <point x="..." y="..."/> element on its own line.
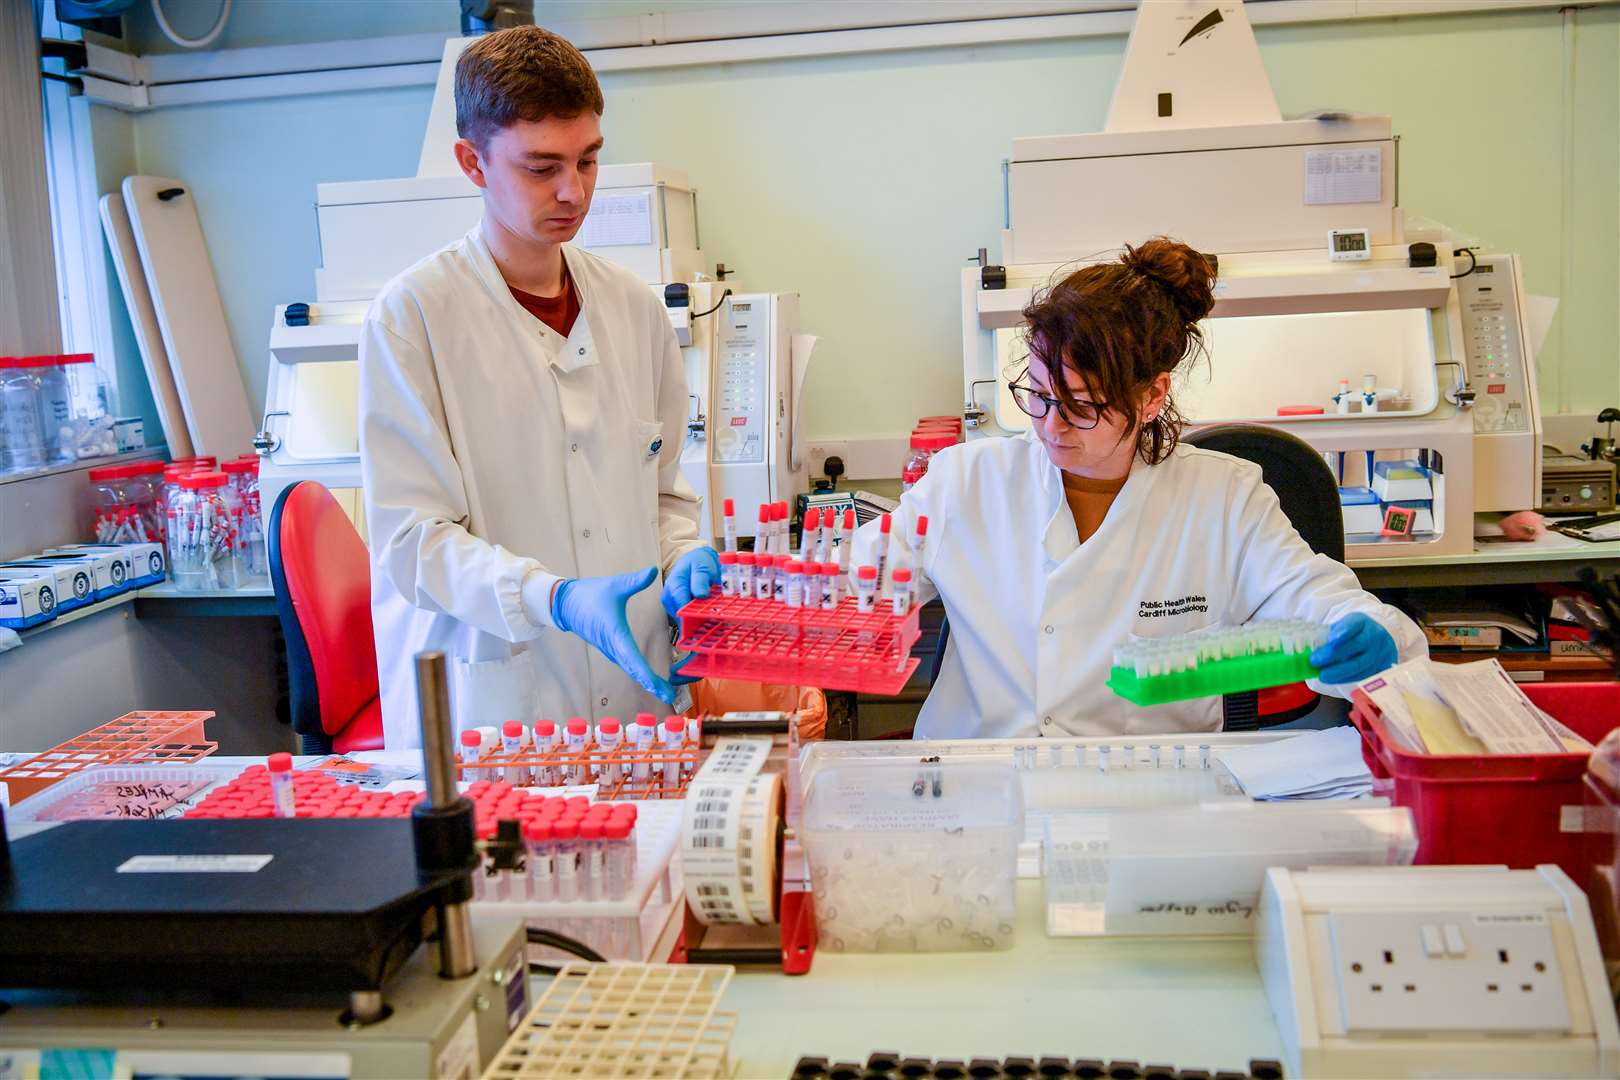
<point x="522" y="404"/>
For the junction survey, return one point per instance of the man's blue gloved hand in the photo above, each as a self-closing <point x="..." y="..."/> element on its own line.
<point x="1357" y="648"/>
<point x="689" y="579"/>
<point x="593" y="608"/>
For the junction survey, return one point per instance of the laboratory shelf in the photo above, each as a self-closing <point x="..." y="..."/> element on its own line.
<point x="79" y="613"/>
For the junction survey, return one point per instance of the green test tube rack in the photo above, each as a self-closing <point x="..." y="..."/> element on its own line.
<point x="1208" y="664"/>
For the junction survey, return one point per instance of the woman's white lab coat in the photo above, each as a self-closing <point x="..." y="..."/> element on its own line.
<point x="1035" y="615"/>
<point x="491" y="448"/>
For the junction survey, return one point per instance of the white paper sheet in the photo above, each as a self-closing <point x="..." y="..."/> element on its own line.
<point x="1323" y="764"/>
<point x="1344" y="176"/>
<point x="622" y="220"/>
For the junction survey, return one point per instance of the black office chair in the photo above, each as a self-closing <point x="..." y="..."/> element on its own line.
<point x="1309" y="496"/>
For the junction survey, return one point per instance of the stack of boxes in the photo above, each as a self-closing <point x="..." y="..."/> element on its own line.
<point x="59" y="580"/>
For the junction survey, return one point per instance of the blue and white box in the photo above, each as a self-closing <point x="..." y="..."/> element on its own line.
<point x="27" y="598"/>
<point x="139" y="563"/>
<point x="107" y="569"/>
<point x="75" y="580"/>
<point x="1362" y="514"/>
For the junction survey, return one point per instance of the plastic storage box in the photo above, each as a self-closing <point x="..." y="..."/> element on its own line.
<point x="1199" y="870"/>
<point x="908" y="857"/>
<point x="1514" y="809"/>
<point x="119" y="792"/>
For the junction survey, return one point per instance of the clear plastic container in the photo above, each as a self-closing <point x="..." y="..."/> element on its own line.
<point x="924" y="445"/>
<point x="1199" y="870"/>
<point x="202" y="537"/>
<point x="126" y="503"/>
<point x="22" y="439"/>
<point x="252" y="566"/>
<point x="907" y="857"/>
<point x="76" y="418"/>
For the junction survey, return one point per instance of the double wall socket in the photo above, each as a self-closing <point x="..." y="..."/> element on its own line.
<point x="1439" y="971"/>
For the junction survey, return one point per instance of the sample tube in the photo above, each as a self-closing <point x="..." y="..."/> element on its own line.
<point x="763" y="531"/>
<point x="808" y="533"/>
<point x="783" y="522"/>
<point x="866" y="588"/>
<point x="618" y="845"/>
<point x="824" y="544"/>
<point x="846" y="541"/>
<point x="281" y="785"/>
<point x="592" y="860"/>
<point x="744" y="575"/>
<point x="471" y="743"/>
<point x="729" y="518"/>
<point x="565" y="852"/>
<point x="902" y="591"/>
<point x="694" y="739"/>
<point x="671" y="736"/>
<point x="542" y="872"/>
<point x="922" y="539"/>
<point x="641" y="740"/>
<point x="885" y="544"/>
<point x="608" y="737"/>
<point x="812" y="585"/>
<point x="795" y="583"/>
<point x="728" y="573"/>
<point x="545" y="742"/>
<point x="832" y="586"/>
<point x="779" y="582"/>
<point x="1203" y="756"/>
<point x="577" y="737"/>
<point x="512" y="743"/>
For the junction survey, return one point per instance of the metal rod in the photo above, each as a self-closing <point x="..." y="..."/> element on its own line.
<point x="456" y="956"/>
<point x="433" y="703"/>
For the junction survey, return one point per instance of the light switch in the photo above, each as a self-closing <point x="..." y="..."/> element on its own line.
<point x="1432" y="945"/>
<point x="1454" y="940"/>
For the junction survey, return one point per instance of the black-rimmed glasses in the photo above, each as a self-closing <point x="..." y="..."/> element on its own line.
<point x="1036" y="405"/>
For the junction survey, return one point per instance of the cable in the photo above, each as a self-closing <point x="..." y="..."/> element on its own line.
<point x="192" y="43"/>
<point x="554" y="940"/>
<point x="700" y="314"/>
<point x="1473" y="263"/>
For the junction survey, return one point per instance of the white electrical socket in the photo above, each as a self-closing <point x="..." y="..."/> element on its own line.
<point x="821" y="451"/>
<point x="1447" y="971"/>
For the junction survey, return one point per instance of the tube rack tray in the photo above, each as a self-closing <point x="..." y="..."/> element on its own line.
<point x="137" y="738"/>
<point x="594" y="765"/>
<point x="766" y="642"/>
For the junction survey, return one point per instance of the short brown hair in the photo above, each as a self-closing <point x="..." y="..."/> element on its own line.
<point x="1120" y="325"/>
<point x="521" y="73"/>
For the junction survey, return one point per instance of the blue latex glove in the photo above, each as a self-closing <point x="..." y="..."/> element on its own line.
<point x="1357" y="648"/>
<point x="690" y="578"/>
<point x="593" y="608"/>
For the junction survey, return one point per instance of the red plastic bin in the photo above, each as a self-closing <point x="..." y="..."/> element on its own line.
<point x="1517" y="809"/>
<point x="763" y="641"/>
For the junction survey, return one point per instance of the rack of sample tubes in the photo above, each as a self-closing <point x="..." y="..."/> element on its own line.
<point x="1208" y="663"/>
<point x="647" y="758"/>
<point x="601" y="873"/>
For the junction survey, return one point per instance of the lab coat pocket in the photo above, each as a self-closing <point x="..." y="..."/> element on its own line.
<point x="495" y="691"/>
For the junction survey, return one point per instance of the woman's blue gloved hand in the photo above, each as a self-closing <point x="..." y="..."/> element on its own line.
<point x="1357" y="648"/>
<point x="593" y="608"/>
<point x="690" y="578"/>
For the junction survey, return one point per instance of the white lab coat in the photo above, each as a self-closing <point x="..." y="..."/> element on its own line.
<point x="491" y="448"/>
<point x="1198" y="540"/>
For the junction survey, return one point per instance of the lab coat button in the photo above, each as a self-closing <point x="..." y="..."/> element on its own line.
<point x="1050" y="629"/>
<point x="582" y="351"/>
<point x="604" y="703"/>
<point x="587" y="534"/>
<point x="574" y="447"/>
<point x="1047" y="722"/>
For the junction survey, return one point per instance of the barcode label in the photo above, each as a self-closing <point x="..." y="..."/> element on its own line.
<point x="708" y="889"/>
<point x="707" y="840"/>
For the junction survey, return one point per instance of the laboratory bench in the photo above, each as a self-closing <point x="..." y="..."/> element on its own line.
<point x="1492" y="564"/>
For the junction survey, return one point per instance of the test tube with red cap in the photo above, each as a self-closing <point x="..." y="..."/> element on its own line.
<point x="808" y="533"/>
<point x="642" y="737"/>
<point x="671" y="736"/>
<point x="782" y="516"/>
<point x="885" y="549"/>
<point x="794" y="594"/>
<point x="866" y="588"/>
<point x="617" y="849"/>
<point x="542" y="873"/>
<point x="745" y="574"/>
<point x="471" y="741"/>
<point x="921" y="541"/>
<point x="832" y="586"/>
<point x="728" y="573"/>
<point x="825" y="538"/>
<point x="577" y="737"/>
<point x="281" y="785"/>
<point x="512" y="740"/>
<point x="766" y="529"/>
<point x="608" y="737"/>
<point x="901" y="591"/>
<point x="545" y="742"/>
<point x="592" y="859"/>
<point x="565" y="852"/>
<point x="729" y="521"/>
<point x="626" y="813"/>
<point x="779" y="583"/>
<point x="846" y="541"/>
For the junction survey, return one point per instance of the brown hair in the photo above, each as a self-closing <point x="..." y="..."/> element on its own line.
<point x="521" y="73"/>
<point x="1120" y="325"/>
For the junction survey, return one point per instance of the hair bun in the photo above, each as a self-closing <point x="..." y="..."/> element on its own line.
<point x="1184" y="274"/>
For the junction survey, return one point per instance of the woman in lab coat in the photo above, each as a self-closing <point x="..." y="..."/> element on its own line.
<point x="1096" y="526"/>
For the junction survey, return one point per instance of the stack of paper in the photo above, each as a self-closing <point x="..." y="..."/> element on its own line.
<point x="1321" y="765"/>
<point x="1471" y="709"/>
